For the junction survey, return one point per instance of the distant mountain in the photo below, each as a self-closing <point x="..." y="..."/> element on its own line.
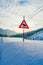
<point x="32" y="35"/>
<point x="6" y="32"/>
<point x="17" y="35"/>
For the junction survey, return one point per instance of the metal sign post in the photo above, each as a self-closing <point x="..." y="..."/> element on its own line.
<point x="24" y="26"/>
<point x="23" y="34"/>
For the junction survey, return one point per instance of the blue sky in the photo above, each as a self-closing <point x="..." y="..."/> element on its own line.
<point x="12" y="12"/>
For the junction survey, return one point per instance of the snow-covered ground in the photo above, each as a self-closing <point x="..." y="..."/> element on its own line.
<point x="16" y="52"/>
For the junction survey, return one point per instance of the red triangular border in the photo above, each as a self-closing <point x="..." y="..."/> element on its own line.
<point x="20" y="26"/>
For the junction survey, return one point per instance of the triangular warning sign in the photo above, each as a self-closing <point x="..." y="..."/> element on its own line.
<point x="23" y="25"/>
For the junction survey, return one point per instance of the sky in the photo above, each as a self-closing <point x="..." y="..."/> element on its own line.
<point x="12" y="12"/>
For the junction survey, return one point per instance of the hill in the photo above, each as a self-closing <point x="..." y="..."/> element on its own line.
<point x="6" y="32"/>
<point x="38" y="35"/>
<point x="32" y="35"/>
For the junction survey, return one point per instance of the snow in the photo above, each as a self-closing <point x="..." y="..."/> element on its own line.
<point x="16" y="52"/>
<point x="37" y="36"/>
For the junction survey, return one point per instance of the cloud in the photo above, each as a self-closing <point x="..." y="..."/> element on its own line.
<point x="36" y="2"/>
<point x="22" y="2"/>
<point x="6" y="4"/>
<point x="11" y="12"/>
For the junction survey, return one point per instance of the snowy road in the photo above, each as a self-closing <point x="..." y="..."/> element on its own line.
<point x="15" y="52"/>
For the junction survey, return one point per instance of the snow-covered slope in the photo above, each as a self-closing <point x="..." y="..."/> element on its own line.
<point x="15" y="52"/>
<point x="37" y="36"/>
